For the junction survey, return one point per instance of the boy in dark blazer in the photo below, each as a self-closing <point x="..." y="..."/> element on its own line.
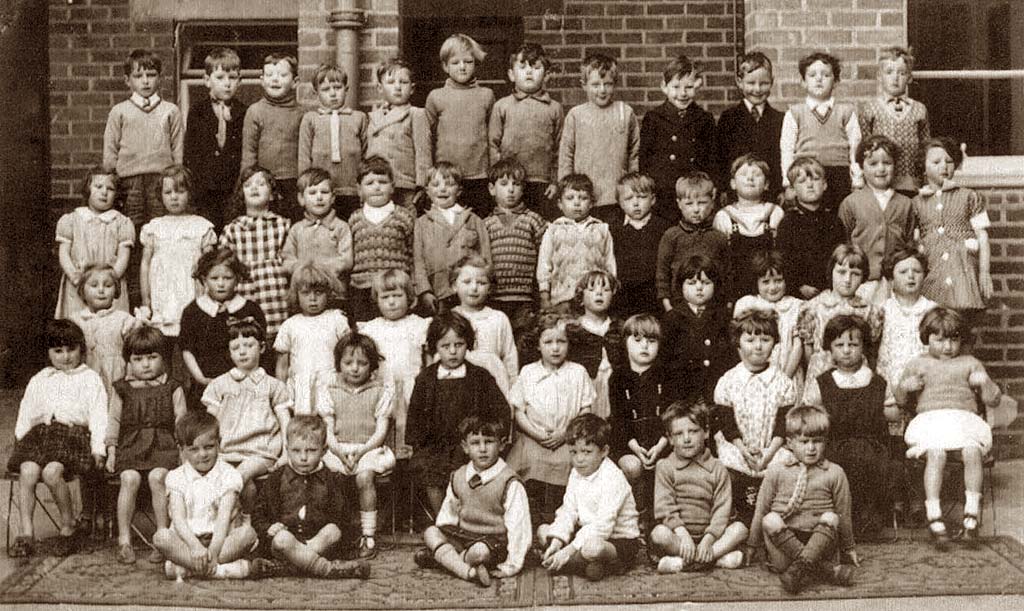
<point x="752" y="126"/>
<point x="213" y="137"/>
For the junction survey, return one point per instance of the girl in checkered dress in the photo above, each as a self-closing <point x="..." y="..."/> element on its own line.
<point x="257" y="236"/>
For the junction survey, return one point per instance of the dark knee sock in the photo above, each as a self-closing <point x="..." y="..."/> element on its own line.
<point x="787" y="543"/>
<point x="820" y="545"/>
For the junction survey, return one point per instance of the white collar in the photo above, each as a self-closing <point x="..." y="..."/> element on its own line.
<point x="628" y="220"/>
<point x="597" y="328"/>
<point x="146" y="104"/>
<point x="766" y="375"/>
<point x="443" y="373"/>
<point x="193" y="475"/>
<point x="87" y="314"/>
<point x="136" y="383"/>
<point x="597" y="472"/>
<point x="821" y="107"/>
<point x="377" y="215"/>
<point x="883" y="197"/>
<point x="104" y="217"/>
<point x="210" y="307"/>
<point x="487" y="474"/>
<point x="760" y="107"/>
<point x="857" y="379"/>
<point x="256" y="375"/>
<point x="52" y="371"/>
<point x="451" y="214"/>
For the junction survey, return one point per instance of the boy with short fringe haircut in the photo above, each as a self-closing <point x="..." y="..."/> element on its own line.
<point x="803" y="509"/>
<point x="458" y="113"/>
<point x="144" y="135"/>
<point x="515" y="232"/>
<point x="635" y="240"/>
<point x="598" y="507"/>
<point x="483" y="528"/>
<point x="400" y="132"/>
<point x="692" y="235"/>
<point x="601" y="137"/>
<point x="304" y="509"/>
<point x="213" y="136"/>
<point x="752" y="125"/>
<point x="676" y="137"/>
<point x="333" y="137"/>
<point x="270" y="133"/>
<point x="207" y="536"/>
<point x="319" y="237"/>
<point x="527" y="125"/>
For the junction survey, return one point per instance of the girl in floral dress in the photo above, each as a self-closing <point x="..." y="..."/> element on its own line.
<point x="903" y="310"/>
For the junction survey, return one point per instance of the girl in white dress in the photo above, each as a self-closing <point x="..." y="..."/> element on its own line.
<point x="305" y="343"/>
<point x="171" y="245"/>
<point x="401" y="337"/>
<point x="905" y="270"/>
<point x="105" y="327"/>
<point x="495" y="348"/>
<point x="771" y="297"/>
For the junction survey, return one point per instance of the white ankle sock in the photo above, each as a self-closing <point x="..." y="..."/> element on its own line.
<point x="972" y="504"/>
<point x="732" y="560"/>
<point x="239" y="569"/>
<point x="932" y="509"/>
<point x="670" y="564"/>
<point x="368" y="522"/>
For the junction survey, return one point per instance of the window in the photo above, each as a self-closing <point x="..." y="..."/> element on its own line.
<point x="252" y="40"/>
<point x="426" y="25"/>
<point x="970" y="71"/>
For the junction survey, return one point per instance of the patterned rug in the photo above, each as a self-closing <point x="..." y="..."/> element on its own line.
<point x="906" y="568"/>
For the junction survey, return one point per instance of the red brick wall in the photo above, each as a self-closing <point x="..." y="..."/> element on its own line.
<point x="642" y="37"/>
<point x="1001" y="336"/>
<point x="89" y="41"/>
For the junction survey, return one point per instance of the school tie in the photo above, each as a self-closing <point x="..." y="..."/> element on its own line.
<point x="335" y="137"/>
<point x="755" y="113"/>
<point x="223" y="112"/>
<point x="475" y="481"/>
<point x="897" y="103"/>
<point x="799" y="489"/>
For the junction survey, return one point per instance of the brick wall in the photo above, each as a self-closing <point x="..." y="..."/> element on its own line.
<point x="852" y="30"/>
<point x="89" y="41"/>
<point x="643" y="37"/>
<point x="1001" y="335"/>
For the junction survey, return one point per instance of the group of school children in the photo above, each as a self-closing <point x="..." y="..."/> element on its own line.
<point x="836" y="314"/>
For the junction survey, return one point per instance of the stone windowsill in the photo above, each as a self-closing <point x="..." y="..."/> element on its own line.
<point x="981" y="172"/>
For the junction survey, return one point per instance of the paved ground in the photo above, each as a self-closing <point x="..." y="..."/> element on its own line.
<point x="1008" y="484"/>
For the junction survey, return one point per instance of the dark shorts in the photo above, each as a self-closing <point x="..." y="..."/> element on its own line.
<point x="625" y="550"/>
<point x="433" y="467"/>
<point x="462" y="540"/>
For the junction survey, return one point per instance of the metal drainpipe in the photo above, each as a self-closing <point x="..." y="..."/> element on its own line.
<point x="347" y="20"/>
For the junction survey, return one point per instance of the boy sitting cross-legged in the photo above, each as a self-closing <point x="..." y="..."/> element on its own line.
<point x="693" y="498"/>
<point x="207" y="537"/>
<point x="303" y="508"/>
<point x="803" y="509"/>
<point x="598" y="506"/>
<point x="484" y="521"/>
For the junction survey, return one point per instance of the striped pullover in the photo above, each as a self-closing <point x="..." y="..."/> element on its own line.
<point x="380" y="247"/>
<point x="515" y="241"/>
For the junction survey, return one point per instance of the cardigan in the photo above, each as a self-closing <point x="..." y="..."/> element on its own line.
<point x="315" y="146"/>
<point x="738" y="134"/>
<point x="304" y="502"/>
<point x="878" y="232"/>
<point x="213" y="168"/>
<point x="138" y="141"/>
<point x="431" y="425"/>
<point x="401" y="135"/>
<point x="438" y="245"/>
<point x="528" y="128"/>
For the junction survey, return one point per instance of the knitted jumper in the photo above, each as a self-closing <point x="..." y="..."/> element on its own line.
<point x="482" y="509"/>
<point x="136" y="141"/>
<point x="458" y="117"/>
<point x="570" y="249"/>
<point x="908" y="129"/>
<point x="603" y="143"/>
<point x="528" y="128"/>
<point x="878" y="232"/>
<point x="380" y="247"/>
<point x="825" y="139"/>
<point x="315" y="146"/>
<point x="354" y="417"/>
<point x="515" y="243"/>
<point x="270" y="137"/>
<point x="693" y="493"/>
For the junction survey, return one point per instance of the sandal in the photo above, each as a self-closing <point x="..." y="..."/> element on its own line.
<point x="23" y="547"/>
<point x="940" y="538"/>
<point x="969" y="534"/>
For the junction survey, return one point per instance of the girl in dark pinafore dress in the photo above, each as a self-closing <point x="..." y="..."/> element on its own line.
<point x="140" y="436"/>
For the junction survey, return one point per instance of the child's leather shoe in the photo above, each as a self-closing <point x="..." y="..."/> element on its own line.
<point x="349" y="569"/>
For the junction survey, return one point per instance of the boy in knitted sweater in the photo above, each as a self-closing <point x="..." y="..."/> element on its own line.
<point x="803" y="509"/>
<point x="458" y="113"/>
<point x="823" y="128"/>
<point x="515" y="232"/>
<point x="144" y="135"/>
<point x="600" y="138"/>
<point x="573" y="245"/>
<point x="483" y="528"/>
<point x="270" y="132"/>
<point x="693" y="498"/>
<point x="381" y="236"/>
<point x="333" y="137"/>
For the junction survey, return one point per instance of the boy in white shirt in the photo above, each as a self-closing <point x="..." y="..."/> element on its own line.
<point x="598" y="506"/>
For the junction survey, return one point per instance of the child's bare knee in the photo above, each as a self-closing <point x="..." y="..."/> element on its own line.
<point x="282" y="541"/>
<point x="631" y="467"/>
<point x="131" y="479"/>
<point x="830" y="519"/>
<point x="365" y="479"/>
<point x="433" y="537"/>
<point x="156" y="477"/>
<point x="53" y="473"/>
<point x="936" y="455"/>
<point x="592" y="548"/>
<point x="773" y="523"/>
<point x="163" y="537"/>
